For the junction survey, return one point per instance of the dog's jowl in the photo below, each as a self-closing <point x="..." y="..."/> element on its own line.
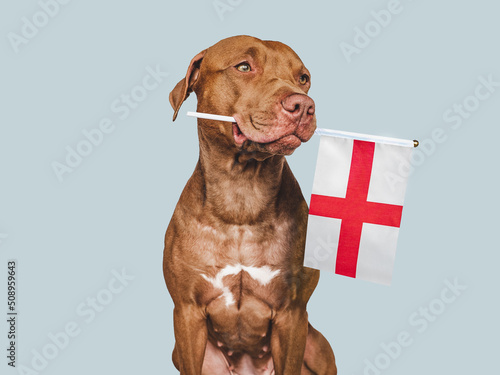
<point x="234" y="249"/>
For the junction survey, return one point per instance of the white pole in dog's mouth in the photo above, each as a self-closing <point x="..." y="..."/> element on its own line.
<point x="211" y="117"/>
<point x="319" y="131"/>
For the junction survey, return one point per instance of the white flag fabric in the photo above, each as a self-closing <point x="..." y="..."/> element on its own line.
<point x="356" y="207"/>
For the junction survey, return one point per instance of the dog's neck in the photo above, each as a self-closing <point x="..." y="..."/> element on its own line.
<point x="239" y="187"/>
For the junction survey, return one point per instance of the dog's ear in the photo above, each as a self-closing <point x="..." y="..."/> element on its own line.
<point x="185" y="86"/>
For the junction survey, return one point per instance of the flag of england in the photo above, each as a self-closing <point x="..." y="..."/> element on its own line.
<point x="356" y="206"/>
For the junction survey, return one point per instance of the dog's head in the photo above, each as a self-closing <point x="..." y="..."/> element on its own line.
<point x="262" y="84"/>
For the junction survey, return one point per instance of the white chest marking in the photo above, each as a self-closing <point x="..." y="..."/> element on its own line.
<point x="263" y="275"/>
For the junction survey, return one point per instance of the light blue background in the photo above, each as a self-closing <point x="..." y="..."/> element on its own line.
<point x="112" y="210"/>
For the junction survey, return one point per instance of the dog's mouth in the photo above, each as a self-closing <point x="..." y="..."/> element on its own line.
<point x="238" y="135"/>
<point x="278" y="144"/>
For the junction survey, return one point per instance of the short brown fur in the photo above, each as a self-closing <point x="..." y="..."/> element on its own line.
<point x="242" y="207"/>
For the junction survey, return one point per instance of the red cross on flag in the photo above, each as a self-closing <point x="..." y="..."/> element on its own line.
<point x="356" y="206"/>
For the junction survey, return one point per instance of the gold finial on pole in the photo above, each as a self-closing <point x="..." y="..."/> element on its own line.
<point x="415" y="143"/>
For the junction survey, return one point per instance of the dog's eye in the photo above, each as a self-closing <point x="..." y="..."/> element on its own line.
<point x="244" y="67"/>
<point x="304" y="78"/>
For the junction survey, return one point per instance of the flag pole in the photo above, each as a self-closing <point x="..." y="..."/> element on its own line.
<point x="367" y="137"/>
<point x="327" y="132"/>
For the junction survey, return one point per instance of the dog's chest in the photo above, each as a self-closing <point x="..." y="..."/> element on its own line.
<point x="243" y="262"/>
<point x="240" y="304"/>
<point x="235" y="281"/>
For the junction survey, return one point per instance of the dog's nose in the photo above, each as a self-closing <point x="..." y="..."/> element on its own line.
<point x="298" y="105"/>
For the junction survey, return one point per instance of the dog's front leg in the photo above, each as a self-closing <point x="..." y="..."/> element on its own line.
<point x="288" y="340"/>
<point x="190" y="329"/>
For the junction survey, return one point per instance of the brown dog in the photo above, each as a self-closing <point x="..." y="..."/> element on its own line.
<point x="234" y="248"/>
